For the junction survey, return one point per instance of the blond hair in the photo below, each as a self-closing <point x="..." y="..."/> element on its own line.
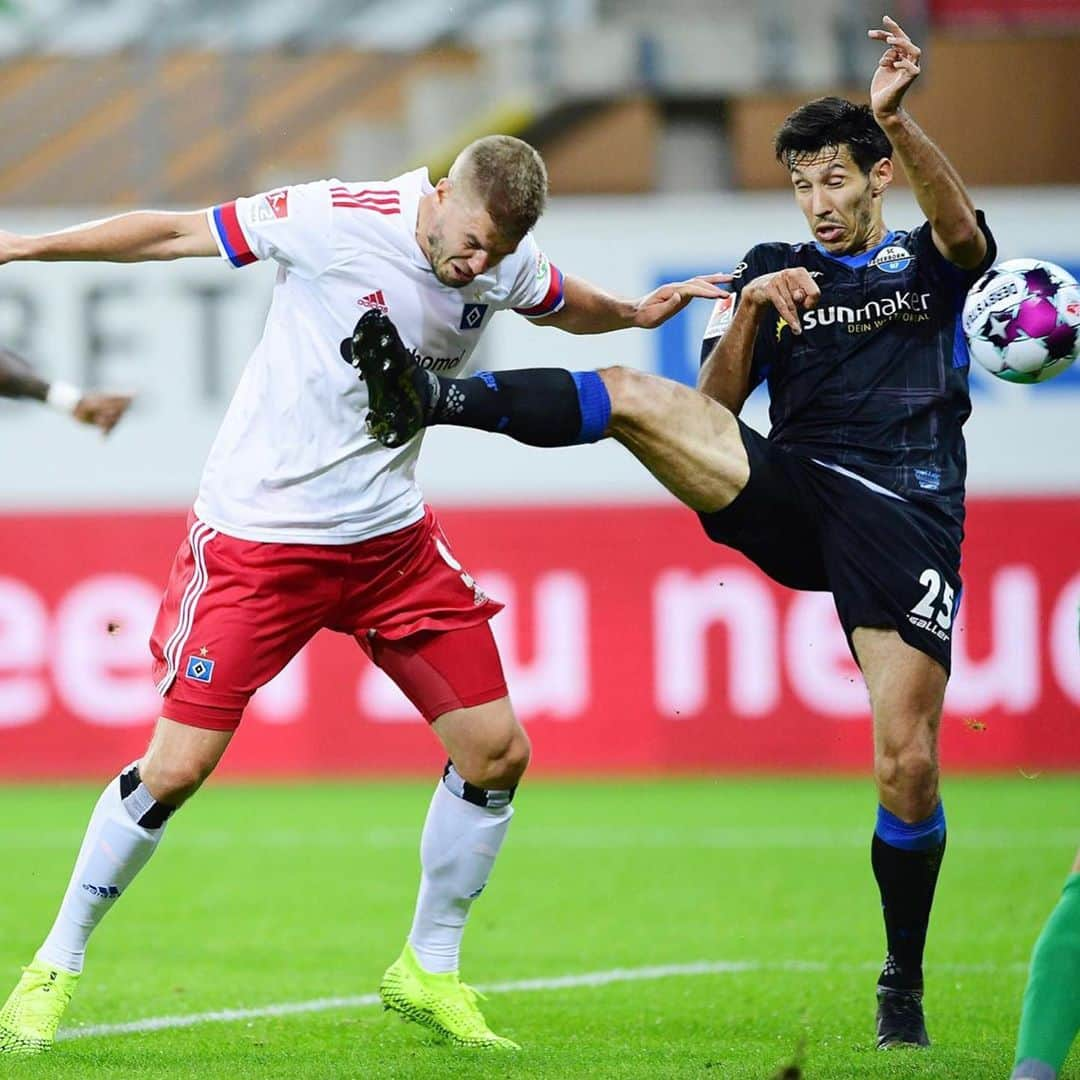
<point x="508" y="176"/>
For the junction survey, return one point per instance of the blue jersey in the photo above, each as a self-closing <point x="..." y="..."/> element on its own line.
<point x="877" y="383"/>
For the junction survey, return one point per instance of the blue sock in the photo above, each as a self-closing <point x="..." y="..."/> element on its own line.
<point x="918" y="836"/>
<point x="537" y="406"/>
<point x="594" y="403"/>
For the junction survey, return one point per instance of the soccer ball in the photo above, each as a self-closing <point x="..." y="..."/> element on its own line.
<point x="1022" y="320"/>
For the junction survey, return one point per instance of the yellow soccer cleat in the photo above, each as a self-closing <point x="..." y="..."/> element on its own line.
<point x="442" y="1003"/>
<point x="31" y="1015"/>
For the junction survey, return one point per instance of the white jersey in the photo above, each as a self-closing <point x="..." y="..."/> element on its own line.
<point x="293" y="462"/>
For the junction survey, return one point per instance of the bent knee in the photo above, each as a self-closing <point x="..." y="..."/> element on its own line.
<point x="497" y="766"/>
<point x="174" y="781"/>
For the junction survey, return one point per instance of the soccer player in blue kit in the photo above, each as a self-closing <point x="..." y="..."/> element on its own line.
<point x="859" y="488"/>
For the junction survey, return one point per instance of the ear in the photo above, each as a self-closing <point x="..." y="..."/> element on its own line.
<point x="443" y="189"/>
<point x="881" y="176"/>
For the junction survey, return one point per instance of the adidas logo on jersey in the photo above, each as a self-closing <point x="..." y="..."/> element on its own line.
<point x="374" y="300"/>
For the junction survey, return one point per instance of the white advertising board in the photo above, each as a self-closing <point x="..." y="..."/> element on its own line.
<point x="179" y="334"/>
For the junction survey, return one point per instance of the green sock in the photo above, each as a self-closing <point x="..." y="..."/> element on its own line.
<point x="1051" y="1015"/>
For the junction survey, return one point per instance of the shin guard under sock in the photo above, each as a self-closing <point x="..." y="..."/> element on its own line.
<point x="906" y="859"/>
<point x="124" y="830"/>
<point x="537" y="406"/>
<point x="463" y="833"/>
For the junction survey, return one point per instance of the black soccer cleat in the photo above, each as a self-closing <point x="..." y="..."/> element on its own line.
<point x="900" y="1020"/>
<point x="395" y="382"/>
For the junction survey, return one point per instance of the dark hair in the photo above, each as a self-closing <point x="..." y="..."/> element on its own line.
<point x="832" y="122"/>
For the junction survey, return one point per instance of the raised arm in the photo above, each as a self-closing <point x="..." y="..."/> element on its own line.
<point x="937" y="186"/>
<point x="588" y="309"/>
<point x="102" y="409"/>
<point x="141" y="236"/>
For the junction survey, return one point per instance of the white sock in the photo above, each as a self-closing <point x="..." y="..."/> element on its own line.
<point x="113" y="851"/>
<point x="457" y="851"/>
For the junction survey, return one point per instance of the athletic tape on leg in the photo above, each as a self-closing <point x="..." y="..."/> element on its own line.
<point x="144" y="809"/>
<point x="457" y="785"/>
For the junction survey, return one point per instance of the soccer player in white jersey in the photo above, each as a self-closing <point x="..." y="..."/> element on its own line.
<point x="100" y="409"/>
<point x="303" y="521"/>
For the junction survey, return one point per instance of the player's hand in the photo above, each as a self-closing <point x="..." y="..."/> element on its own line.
<point x="897" y="69"/>
<point x="11" y="246"/>
<point x="789" y="291"/>
<point x="656" y="308"/>
<point x="102" y="410"/>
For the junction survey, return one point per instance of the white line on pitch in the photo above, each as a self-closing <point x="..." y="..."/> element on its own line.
<point x="557" y="982"/>
<point x="599" y="838"/>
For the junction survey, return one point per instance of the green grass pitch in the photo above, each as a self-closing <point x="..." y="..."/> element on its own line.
<point x="261" y="895"/>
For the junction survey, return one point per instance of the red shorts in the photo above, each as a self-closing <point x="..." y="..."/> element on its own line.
<point x="235" y="612"/>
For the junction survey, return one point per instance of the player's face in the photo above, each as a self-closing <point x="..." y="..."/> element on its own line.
<point x="841" y="203"/>
<point x="462" y="240"/>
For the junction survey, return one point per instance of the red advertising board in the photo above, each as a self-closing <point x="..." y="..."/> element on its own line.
<point x="631" y="643"/>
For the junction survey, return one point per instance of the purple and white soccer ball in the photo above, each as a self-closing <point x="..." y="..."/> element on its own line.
<point x="1022" y="320"/>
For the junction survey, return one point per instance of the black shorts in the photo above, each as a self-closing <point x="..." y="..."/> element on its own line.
<point x="889" y="563"/>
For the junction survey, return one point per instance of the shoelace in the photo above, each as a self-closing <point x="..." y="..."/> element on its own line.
<point x="467" y="1006"/>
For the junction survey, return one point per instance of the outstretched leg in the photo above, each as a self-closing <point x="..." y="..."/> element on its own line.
<point x="689" y="442"/>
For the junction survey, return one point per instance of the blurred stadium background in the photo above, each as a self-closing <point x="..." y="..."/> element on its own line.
<point x="631" y="643"/>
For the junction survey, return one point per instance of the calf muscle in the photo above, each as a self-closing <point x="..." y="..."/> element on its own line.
<point x="179" y="758"/>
